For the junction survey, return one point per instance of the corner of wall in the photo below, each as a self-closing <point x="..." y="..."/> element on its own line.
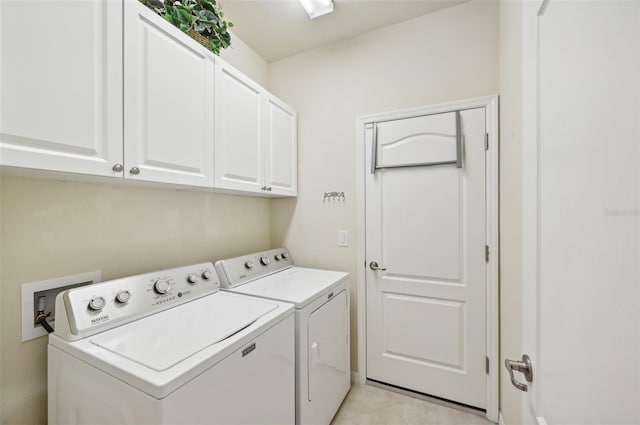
<point x="247" y="60"/>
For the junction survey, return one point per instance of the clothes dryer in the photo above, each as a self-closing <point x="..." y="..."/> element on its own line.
<point x="321" y="299"/>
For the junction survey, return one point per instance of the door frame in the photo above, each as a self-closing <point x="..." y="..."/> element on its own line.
<point x="532" y="12"/>
<point x="490" y="103"/>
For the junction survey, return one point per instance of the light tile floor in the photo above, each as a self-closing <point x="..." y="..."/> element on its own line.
<point x="367" y="405"/>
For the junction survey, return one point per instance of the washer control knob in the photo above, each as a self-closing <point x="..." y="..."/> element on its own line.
<point x="249" y="265"/>
<point x="264" y="260"/>
<point x="97" y="303"/>
<point x="123" y="296"/>
<point x="161" y="286"/>
<point x="193" y="278"/>
<point x="206" y="275"/>
<point x="278" y="257"/>
<point x="285" y="255"/>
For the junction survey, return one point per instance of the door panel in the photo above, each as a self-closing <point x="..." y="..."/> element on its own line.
<point x="327" y="346"/>
<point x="239" y="115"/>
<point x="425" y="226"/>
<point x="441" y="321"/>
<point x="54" y="119"/>
<point x="439" y="200"/>
<point x="281" y="167"/>
<point x="168" y="102"/>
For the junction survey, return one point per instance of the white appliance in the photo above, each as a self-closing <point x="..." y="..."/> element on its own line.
<point x="321" y="299"/>
<point x="169" y="348"/>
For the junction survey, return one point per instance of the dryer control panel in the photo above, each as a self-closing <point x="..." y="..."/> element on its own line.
<point x="92" y="308"/>
<point x="240" y="270"/>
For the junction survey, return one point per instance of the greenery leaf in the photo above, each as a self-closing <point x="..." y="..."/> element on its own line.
<point x="203" y="16"/>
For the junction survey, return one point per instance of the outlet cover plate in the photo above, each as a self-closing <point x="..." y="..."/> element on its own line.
<point x="31" y="330"/>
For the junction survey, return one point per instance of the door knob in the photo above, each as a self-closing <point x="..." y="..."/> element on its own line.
<point x="523" y="366"/>
<point x="374" y="266"/>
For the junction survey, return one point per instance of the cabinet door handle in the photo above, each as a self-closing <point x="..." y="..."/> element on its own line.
<point x="117" y="168"/>
<point x="135" y="171"/>
<point x="269" y="188"/>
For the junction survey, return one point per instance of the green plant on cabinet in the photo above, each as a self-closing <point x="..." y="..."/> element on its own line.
<point x="198" y="18"/>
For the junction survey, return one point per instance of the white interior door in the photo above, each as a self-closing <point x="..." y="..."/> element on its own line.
<point x="425" y="229"/>
<point x="581" y="164"/>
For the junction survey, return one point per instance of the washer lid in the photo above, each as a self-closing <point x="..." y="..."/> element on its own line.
<point x="163" y="340"/>
<point x="297" y="285"/>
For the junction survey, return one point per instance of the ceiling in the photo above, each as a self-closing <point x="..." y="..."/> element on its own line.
<point x="276" y="29"/>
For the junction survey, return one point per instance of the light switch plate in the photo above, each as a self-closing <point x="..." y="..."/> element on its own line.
<point x="343" y="238"/>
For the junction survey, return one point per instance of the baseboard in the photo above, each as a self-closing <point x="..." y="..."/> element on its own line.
<point x="500" y="418"/>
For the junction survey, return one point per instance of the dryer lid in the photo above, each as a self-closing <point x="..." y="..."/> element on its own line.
<point x="296" y="285"/>
<point x="165" y="339"/>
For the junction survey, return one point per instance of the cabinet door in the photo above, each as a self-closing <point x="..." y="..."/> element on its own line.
<point x="281" y="158"/>
<point x="168" y="102"/>
<point x="238" y="142"/>
<point x="61" y="85"/>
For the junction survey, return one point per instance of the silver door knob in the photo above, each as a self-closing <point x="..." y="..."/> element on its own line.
<point x="135" y="171"/>
<point x="117" y="168"/>
<point x="523" y="366"/>
<point x="374" y="266"/>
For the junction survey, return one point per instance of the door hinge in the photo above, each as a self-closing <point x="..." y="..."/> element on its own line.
<point x="486" y="364"/>
<point x="486" y="141"/>
<point x="486" y="253"/>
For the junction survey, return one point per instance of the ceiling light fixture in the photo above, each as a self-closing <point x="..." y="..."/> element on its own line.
<point x="317" y="8"/>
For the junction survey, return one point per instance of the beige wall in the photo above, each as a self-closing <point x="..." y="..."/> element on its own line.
<point x="241" y="56"/>
<point x="448" y="55"/>
<point x="52" y="228"/>
<point x="510" y="201"/>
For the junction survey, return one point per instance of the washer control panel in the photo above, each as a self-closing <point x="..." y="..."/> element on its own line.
<point x="240" y="270"/>
<point x="101" y="305"/>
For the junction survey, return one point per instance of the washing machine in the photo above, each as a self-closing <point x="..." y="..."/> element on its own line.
<point x="321" y="299"/>
<point x="168" y="347"/>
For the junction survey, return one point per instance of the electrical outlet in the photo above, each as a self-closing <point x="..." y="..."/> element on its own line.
<point x="49" y="289"/>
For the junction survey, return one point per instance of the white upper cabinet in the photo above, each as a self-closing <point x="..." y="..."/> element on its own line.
<point x="168" y="102"/>
<point x="110" y="88"/>
<point x="239" y="139"/>
<point x="281" y="159"/>
<point x="256" y="137"/>
<point x="61" y="85"/>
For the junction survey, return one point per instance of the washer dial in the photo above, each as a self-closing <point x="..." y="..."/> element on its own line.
<point x="123" y="296"/>
<point x="161" y="286"/>
<point x="97" y="303"/>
